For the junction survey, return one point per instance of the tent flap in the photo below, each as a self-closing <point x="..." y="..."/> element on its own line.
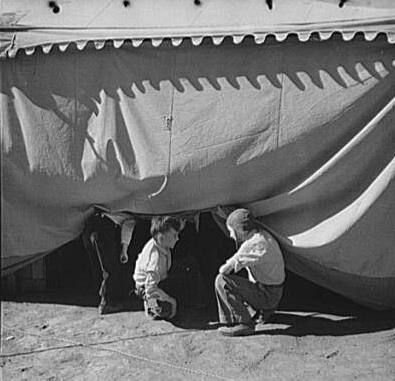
<point x="302" y="133"/>
<point x="295" y="140"/>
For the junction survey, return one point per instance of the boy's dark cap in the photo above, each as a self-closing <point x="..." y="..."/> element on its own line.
<point x="240" y="219"/>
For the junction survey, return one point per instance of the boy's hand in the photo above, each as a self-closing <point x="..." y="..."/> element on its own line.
<point x="123" y="258"/>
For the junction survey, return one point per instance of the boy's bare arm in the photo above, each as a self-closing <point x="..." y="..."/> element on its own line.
<point x="151" y="282"/>
<point x="127" y="229"/>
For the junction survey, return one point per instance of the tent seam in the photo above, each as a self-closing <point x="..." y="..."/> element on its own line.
<point x="279" y="111"/>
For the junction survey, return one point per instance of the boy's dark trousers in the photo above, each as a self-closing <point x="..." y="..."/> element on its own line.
<point x="102" y="241"/>
<point x="184" y="282"/>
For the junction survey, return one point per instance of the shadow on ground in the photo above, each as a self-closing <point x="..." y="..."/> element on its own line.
<point x="320" y="325"/>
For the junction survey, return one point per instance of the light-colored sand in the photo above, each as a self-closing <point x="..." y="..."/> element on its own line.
<point x="45" y="341"/>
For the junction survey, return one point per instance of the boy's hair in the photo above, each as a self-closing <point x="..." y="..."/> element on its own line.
<point x="162" y="224"/>
<point x="242" y="221"/>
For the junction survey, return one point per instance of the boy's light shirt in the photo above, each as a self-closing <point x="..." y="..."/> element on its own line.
<point x="152" y="266"/>
<point x="262" y="257"/>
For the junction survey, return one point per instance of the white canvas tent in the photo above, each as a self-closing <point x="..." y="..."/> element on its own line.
<point x="176" y="106"/>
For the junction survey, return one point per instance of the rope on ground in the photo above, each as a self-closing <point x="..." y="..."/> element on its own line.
<point x="117" y="340"/>
<point x="177" y="367"/>
<point x="96" y="346"/>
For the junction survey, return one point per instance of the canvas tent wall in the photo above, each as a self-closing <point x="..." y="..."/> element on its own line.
<point x="172" y="107"/>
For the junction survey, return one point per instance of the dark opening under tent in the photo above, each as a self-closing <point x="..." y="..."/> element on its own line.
<point x="284" y="107"/>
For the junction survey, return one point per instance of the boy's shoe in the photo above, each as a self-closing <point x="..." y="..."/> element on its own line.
<point x="241" y="329"/>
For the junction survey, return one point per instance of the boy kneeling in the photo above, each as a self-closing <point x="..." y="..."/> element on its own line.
<point x="153" y="265"/>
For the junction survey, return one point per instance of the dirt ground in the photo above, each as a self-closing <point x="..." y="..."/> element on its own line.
<point x="315" y="335"/>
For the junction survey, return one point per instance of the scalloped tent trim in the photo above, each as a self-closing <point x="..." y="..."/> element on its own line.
<point x="259" y="38"/>
<point x="26" y="25"/>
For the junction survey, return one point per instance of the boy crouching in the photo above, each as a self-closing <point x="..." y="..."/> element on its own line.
<point x="260" y="254"/>
<point x="153" y="265"/>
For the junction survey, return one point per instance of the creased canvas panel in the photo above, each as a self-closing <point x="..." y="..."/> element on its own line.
<point x="302" y="133"/>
